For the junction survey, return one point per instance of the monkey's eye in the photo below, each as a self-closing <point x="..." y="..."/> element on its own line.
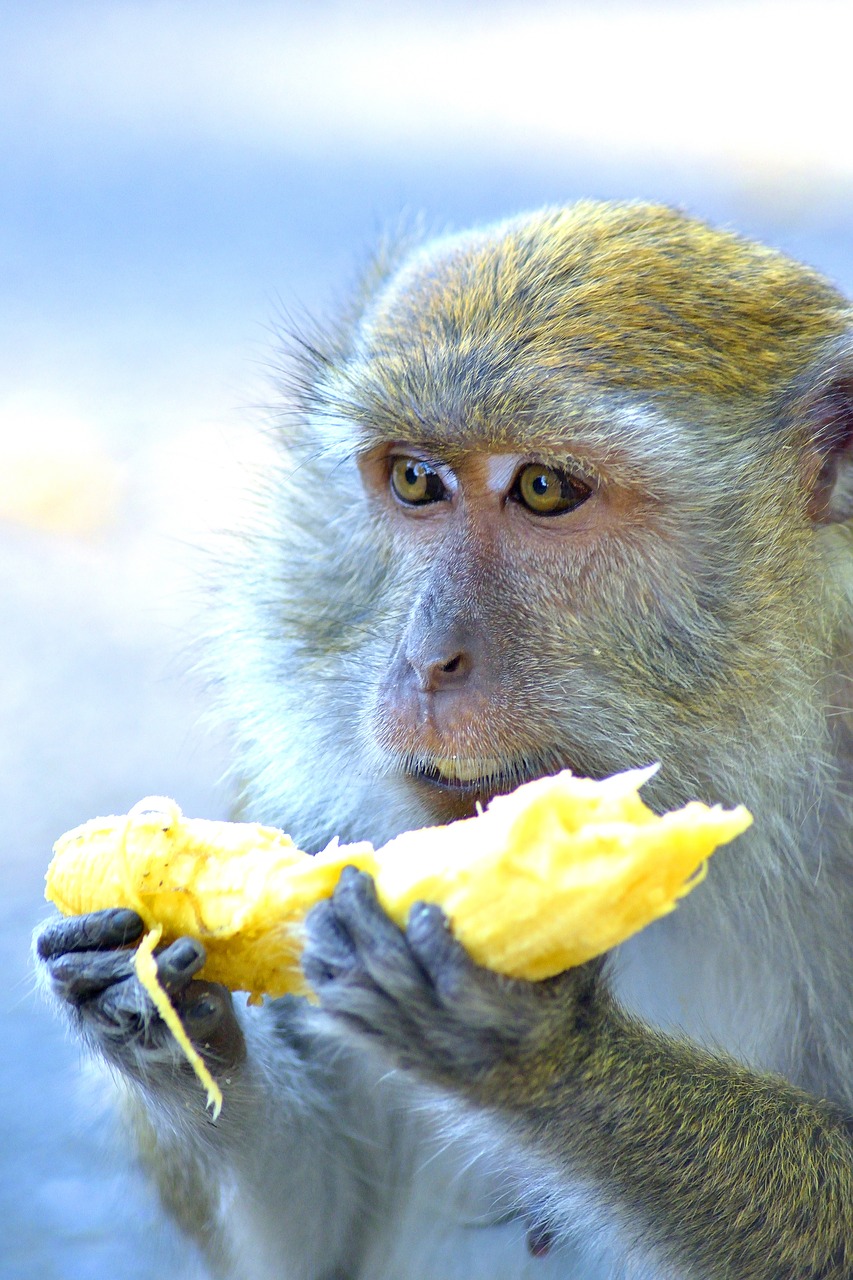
<point x="548" y="491"/>
<point x="416" y="483"/>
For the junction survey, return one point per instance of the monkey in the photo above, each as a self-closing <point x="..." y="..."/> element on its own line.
<point x="571" y="490"/>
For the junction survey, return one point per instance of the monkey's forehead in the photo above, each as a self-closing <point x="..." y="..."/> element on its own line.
<point x="627" y="295"/>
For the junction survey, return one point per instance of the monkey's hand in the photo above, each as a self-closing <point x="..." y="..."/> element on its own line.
<point x="87" y="963"/>
<point x="724" y="1172"/>
<point x="419" y="996"/>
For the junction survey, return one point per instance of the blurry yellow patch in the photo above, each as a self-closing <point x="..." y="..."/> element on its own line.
<point x="60" y="492"/>
<point x="55" y="472"/>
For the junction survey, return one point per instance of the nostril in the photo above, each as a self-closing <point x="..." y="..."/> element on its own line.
<point x="439" y="654"/>
<point x="438" y="672"/>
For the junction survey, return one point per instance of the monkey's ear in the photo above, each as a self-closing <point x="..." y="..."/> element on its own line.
<point x="829" y="416"/>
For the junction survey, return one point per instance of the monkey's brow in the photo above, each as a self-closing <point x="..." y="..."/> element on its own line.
<point x="570" y="427"/>
<point x="555" y="422"/>
<point x="436" y="454"/>
<point x="426" y="450"/>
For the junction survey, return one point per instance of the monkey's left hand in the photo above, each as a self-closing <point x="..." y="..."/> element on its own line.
<point x="418" y="994"/>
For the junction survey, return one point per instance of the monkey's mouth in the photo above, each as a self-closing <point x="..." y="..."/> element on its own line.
<point x="455" y="787"/>
<point x="477" y="778"/>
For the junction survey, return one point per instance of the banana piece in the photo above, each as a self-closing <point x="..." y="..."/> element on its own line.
<point x="557" y="872"/>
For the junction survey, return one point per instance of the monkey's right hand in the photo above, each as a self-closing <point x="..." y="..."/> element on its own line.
<point x="87" y="964"/>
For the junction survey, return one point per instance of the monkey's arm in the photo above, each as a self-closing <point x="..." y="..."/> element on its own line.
<point x="726" y="1172"/>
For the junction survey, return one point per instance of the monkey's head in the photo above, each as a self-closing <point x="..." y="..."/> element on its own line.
<point x="560" y="495"/>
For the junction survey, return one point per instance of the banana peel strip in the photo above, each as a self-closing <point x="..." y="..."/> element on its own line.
<point x="145" y="964"/>
<point x="547" y="877"/>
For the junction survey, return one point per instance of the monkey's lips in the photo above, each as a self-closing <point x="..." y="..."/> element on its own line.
<point x="454" y="787"/>
<point x="481" y="778"/>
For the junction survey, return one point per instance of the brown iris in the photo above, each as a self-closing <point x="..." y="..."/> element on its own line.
<point x="548" y="491"/>
<point x="415" y="482"/>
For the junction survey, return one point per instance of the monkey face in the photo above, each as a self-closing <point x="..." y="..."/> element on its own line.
<point x="543" y="513"/>
<point x="578" y="604"/>
<point x="495" y="554"/>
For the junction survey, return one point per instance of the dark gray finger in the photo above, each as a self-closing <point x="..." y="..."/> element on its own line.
<point x="207" y="1012"/>
<point x="179" y="962"/>
<point x="125" y="1011"/>
<point x="126" y="1017"/>
<point x="358" y="962"/>
<point x="329" y="950"/>
<point x="125" y="1014"/>
<point x="202" y="1012"/>
<point x="79" y="977"/>
<point x="431" y="940"/>
<point x="97" y="931"/>
<point x="380" y="943"/>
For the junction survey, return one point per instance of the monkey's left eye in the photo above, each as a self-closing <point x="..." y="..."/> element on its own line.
<point x="416" y="483"/>
<point x="548" y="491"/>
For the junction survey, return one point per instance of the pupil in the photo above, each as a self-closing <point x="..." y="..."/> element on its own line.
<point x="415" y="482"/>
<point x="540" y="485"/>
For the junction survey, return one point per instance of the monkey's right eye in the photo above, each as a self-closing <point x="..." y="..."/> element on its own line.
<point x="416" y="483"/>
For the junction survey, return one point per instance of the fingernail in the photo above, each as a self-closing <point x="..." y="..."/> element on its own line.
<point x="182" y="956"/>
<point x="201" y="1010"/>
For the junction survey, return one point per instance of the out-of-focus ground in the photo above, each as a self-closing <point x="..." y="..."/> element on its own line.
<point x="176" y="179"/>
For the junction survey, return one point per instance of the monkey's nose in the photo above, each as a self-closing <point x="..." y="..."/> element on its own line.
<point x="441" y="670"/>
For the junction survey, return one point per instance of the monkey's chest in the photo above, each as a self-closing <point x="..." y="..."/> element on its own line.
<point x="688" y="978"/>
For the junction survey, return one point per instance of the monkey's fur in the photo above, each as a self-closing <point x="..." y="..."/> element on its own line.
<point x="686" y="1106"/>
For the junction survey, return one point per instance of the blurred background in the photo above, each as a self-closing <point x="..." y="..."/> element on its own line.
<point x="178" y="179"/>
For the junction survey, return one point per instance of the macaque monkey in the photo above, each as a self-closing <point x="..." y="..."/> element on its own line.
<point x="574" y="490"/>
